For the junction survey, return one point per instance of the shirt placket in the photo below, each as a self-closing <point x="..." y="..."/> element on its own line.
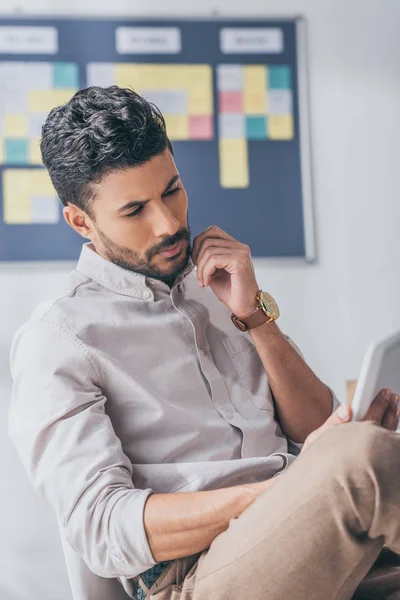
<point x="217" y="388"/>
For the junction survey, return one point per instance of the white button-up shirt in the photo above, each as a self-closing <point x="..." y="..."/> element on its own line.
<point x="124" y="387"/>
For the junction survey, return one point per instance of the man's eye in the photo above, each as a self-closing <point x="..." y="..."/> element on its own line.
<point x="173" y="191"/>
<point x="135" y="212"/>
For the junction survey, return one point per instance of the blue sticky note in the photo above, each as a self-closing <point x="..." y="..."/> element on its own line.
<point x="280" y="77"/>
<point x="65" y="75"/>
<point x="256" y="128"/>
<point x="16" y="151"/>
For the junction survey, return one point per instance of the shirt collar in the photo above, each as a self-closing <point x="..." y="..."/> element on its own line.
<point x="119" y="280"/>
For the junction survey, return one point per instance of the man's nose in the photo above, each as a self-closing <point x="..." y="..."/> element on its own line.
<point x="165" y="223"/>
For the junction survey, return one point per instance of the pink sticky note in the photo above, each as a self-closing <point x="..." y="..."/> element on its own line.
<point x="231" y="102"/>
<point x="201" y="127"/>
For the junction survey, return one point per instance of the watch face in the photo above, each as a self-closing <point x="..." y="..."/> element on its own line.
<point x="269" y="305"/>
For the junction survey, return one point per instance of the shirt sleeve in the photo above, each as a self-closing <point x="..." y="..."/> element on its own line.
<point x="295" y="447"/>
<point x="65" y="439"/>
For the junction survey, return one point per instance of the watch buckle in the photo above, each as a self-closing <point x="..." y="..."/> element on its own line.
<point x="238" y="323"/>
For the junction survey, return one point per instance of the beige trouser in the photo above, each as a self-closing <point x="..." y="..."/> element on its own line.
<point x="314" y="535"/>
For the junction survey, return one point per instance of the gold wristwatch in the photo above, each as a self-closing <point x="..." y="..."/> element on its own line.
<point x="267" y="310"/>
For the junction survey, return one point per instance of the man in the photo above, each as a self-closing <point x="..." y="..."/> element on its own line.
<point x="160" y="434"/>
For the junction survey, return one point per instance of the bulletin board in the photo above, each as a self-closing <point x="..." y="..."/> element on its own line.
<point x="234" y="97"/>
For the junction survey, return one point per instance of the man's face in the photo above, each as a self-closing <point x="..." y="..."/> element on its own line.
<point x="140" y="219"/>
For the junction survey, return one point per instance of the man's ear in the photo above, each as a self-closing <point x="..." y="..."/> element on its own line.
<point x="78" y="220"/>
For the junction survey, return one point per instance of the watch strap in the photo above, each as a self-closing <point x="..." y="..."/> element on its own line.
<point x="254" y="319"/>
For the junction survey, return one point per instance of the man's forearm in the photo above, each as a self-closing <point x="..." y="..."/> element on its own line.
<point x="184" y="523"/>
<point x="302" y="401"/>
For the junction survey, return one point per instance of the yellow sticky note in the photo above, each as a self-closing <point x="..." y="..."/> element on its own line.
<point x="198" y="82"/>
<point x="127" y="75"/>
<point x="255" y="89"/>
<point x="280" y="127"/>
<point x="35" y="157"/>
<point x="177" y="127"/>
<point x="200" y="102"/>
<point x="45" y="100"/>
<point x="17" y="209"/>
<point x="40" y="183"/>
<point x="15" y="126"/>
<point x="19" y="186"/>
<point x="234" y="163"/>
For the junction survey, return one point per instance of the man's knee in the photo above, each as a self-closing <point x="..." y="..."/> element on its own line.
<point x="365" y="446"/>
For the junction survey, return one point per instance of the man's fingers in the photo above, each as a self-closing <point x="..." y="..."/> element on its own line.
<point x="390" y="419"/>
<point x="341" y="415"/>
<point x="378" y="407"/>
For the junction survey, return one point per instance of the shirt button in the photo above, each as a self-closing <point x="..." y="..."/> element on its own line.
<point x="228" y="414"/>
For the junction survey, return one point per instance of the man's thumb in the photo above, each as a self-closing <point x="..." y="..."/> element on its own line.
<point x="343" y="412"/>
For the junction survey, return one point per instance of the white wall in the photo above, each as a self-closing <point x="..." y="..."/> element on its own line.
<point x="332" y="308"/>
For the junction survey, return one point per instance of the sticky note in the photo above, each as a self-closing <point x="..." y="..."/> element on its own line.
<point x="16" y="182"/>
<point x="230" y="78"/>
<point x="201" y="127"/>
<point x="35" y="157"/>
<point x="256" y="128"/>
<point x="280" y="102"/>
<point x="172" y="102"/>
<point x="16" y="204"/>
<point x="65" y="75"/>
<point x="40" y="183"/>
<point x="279" y="77"/>
<point x="128" y="75"/>
<point x="36" y="121"/>
<point x="200" y="101"/>
<point x="45" y="209"/>
<point x="177" y="127"/>
<point x="255" y="87"/>
<point x="101" y="74"/>
<point x="280" y="127"/>
<point x="16" y="151"/>
<point x="16" y="212"/>
<point x="15" y="125"/>
<point x="14" y="102"/>
<point x="45" y="100"/>
<point x="39" y="75"/>
<point x="195" y="75"/>
<point x="232" y="125"/>
<point x="13" y="75"/>
<point x="231" y="102"/>
<point x="234" y="163"/>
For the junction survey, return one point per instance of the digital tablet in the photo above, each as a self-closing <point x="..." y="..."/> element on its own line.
<point x="380" y="369"/>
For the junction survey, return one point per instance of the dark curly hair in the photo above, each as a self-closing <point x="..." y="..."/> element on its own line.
<point x="98" y="131"/>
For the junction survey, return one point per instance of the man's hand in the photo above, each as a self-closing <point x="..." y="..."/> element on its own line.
<point x="384" y="410"/>
<point x="226" y="266"/>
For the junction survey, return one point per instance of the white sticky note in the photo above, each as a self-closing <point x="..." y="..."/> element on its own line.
<point x="280" y="102"/>
<point x="230" y="78"/>
<point x="232" y="125"/>
<point x="38" y="75"/>
<point x="45" y="209"/>
<point x="148" y="40"/>
<point x="101" y="74"/>
<point x="251" y="40"/>
<point x="12" y="76"/>
<point x="28" y="40"/>
<point x="13" y="102"/>
<point x="172" y="102"/>
<point x="36" y="120"/>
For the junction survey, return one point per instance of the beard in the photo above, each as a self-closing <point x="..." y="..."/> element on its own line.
<point x="132" y="261"/>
